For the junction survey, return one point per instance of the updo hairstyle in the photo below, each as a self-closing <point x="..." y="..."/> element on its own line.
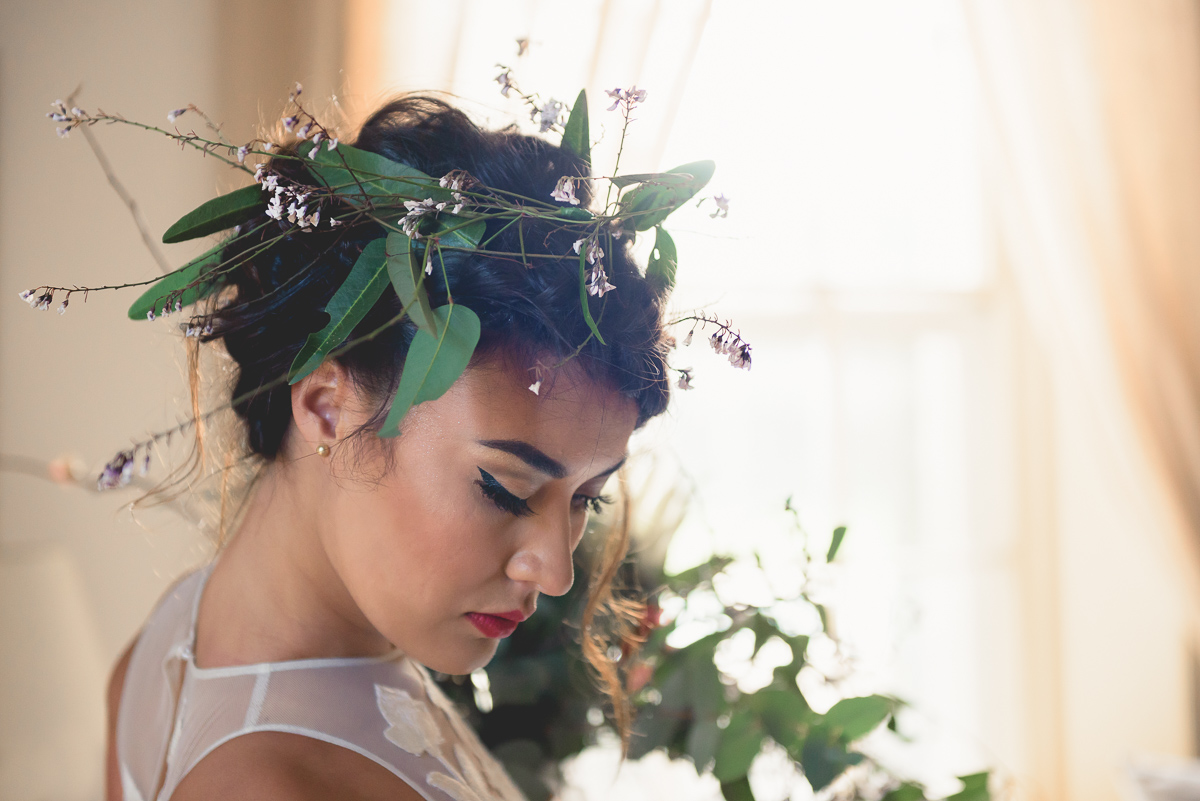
<point x="531" y="312"/>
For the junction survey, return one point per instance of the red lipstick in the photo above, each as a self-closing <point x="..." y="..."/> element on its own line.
<point x="496" y="625"/>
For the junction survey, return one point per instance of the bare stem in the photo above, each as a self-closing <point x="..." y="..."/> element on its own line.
<point x="127" y="199"/>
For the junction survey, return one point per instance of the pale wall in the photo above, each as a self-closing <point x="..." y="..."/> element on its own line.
<point x="77" y="572"/>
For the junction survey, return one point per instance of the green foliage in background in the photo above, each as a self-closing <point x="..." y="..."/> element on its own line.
<point x="545" y="708"/>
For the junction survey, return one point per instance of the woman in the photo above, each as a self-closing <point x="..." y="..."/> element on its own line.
<point x="294" y="666"/>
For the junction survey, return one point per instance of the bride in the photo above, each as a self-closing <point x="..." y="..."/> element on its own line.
<point x="295" y="664"/>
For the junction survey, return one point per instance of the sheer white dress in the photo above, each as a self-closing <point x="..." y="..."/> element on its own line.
<point x="173" y="713"/>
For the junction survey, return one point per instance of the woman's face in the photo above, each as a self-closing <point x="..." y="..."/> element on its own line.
<point x="484" y="502"/>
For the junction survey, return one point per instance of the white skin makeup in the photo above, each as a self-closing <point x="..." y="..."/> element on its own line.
<point x="484" y="498"/>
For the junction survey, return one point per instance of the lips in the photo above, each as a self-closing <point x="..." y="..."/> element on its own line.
<point x="496" y="625"/>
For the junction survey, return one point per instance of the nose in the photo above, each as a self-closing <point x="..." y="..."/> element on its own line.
<point x="544" y="557"/>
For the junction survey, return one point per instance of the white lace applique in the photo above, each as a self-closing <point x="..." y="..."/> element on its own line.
<point x="411" y="726"/>
<point x="475" y="760"/>
<point x="466" y="786"/>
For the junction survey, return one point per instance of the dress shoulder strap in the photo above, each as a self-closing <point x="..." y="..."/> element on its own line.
<point x="385" y="708"/>
<point x="146" y="715"/>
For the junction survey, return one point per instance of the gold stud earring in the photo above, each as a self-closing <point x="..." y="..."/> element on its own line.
<point x="322" y="450"/>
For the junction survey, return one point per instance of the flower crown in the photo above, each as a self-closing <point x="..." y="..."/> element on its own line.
<point x="424" y="218"/>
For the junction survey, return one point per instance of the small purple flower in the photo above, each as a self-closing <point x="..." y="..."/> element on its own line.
<point x="722" y="206"/>
<point x="505" y="80"/>
<point x="685" y="378"/>
<point x="594" y="251"/>
<point x="628" y="97"/>
<point x="176" y="114"/>
<point x="597" y="281"/>
<point x="117" y="473"/>
<point x="564" y="191"/>
<point x="417" y="209"/>
<point x="740" y="356"/>
<point x="548" y="115"/>
<point x="242" y="152"/>
<point x="289" y="123"/>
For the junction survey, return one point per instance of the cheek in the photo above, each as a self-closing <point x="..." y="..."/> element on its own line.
<point x="414" y="552"/>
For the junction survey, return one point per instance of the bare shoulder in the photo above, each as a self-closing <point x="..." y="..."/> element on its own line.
<point x="274" y="766"/>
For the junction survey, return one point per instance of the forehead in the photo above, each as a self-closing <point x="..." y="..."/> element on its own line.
<point x="572" y="418"/>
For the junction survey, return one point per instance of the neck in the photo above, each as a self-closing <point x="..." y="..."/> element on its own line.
<point x="274" y="594"/>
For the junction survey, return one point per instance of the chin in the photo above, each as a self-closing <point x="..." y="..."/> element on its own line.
<point x="461" y="660"/>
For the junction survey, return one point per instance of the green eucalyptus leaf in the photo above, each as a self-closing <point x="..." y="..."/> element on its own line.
<point x="356" y="296"/>
<point x="689" y="579"/>
<point x="363" y="175"/>
<point x="705" y="690"/>
<point x="583" y="296"/>
<point x="740" y="743"/>
<point x="459" y="233"/>
<point x="703" y="738"/>
<point x="823" y="613"/>
<point x="218" y="214"/>
<point x="839" y="534"/>
<point x="575" y="213"/>
<point x="660" y="271"/>
<point x="664" y="178"/>
<point x="824" y="761"/>
<point x="853" y="718"/>
<point x="188" y="280"/>
<point x="783" y="713"/>
<point x="647" y="205"/>
<point x="405" y="268"/>
<point x="737" y="790"/>
<point x="434" y="362"/>
<point x="576" y="136"/>
<point x="975" y="788"/>
<point x="906" y="792"/>
<point x="785" y="675"/>
<point x="657" y="725"/>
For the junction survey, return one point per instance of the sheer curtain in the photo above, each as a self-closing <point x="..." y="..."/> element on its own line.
<point x="1095" y="177"/>
<point x="855" y="259"/>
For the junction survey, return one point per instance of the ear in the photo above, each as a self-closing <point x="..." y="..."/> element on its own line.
<point x="322" y="406"/>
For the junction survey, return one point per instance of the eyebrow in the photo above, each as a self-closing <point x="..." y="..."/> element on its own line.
<point x="535" y="458"/>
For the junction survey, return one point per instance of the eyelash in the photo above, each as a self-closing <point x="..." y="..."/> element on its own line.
<point x="594" y="504"/>
<point x="495" y="492"/>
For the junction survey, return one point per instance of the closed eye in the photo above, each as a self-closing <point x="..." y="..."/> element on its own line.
<point x="495" y="492"/>
<point x="594" y="503"/>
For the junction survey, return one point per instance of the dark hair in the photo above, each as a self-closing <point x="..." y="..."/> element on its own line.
<point x="531" y="312"/>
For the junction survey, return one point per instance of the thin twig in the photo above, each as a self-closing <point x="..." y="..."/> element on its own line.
<point x="127" y="199"/>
